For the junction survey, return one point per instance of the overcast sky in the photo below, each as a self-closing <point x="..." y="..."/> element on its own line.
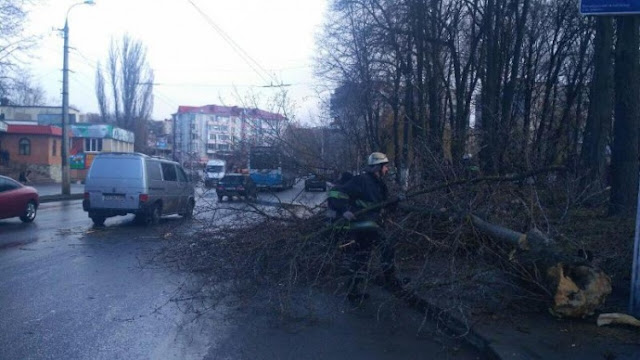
<point x="193" y="64"/>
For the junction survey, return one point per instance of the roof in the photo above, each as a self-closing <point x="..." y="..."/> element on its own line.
<point x="71" y="107"/>
<point x="230" y="111"/>
<point x="34" y="130"/>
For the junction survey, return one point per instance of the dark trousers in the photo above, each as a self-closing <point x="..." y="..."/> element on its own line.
<point x="359" y="252"/>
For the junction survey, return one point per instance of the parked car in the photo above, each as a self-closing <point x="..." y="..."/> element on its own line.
<point x="239" y="185"/>
<point x="17" y="200"/>
<point x="133" y="183"/>
<point x="315" y="182"/>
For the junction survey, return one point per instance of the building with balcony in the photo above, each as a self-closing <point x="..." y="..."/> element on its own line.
<point x="213" y="131"/>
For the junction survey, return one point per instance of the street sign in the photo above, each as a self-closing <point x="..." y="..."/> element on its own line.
<point x="609" y="7"/>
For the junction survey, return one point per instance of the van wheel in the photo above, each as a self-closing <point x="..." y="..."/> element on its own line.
<point x="153" y="218"/>
<point x="98" y="220"/>
<point x="188" y="212"/>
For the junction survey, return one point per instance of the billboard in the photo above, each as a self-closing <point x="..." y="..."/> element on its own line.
<point x="102" y="131"/>
<point x="609" y="7"/>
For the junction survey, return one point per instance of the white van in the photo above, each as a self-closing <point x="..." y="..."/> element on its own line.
<point x="214" y="171"/>
<point x="133" y="183"/>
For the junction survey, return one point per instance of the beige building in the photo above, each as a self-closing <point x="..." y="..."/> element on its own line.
<point x="41" y="115"/>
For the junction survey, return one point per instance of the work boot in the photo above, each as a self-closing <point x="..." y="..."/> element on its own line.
<point x="356" y="295"/>
<point x="391" y="281"/>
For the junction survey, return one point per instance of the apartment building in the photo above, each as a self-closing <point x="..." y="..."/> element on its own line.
<point x="214" y="131"/>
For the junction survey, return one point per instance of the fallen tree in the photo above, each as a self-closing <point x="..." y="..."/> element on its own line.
<point x="577" y="287"/>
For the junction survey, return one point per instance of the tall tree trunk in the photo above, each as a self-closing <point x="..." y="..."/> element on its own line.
<point x="598" y="127"/>
<point x="409" y="108"/>
<point x="624" y="156"/>
<point x="510" y="87"/>
<point x="490" y="91"/>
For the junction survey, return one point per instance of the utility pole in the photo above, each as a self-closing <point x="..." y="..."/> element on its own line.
<point x="66" y="187"/>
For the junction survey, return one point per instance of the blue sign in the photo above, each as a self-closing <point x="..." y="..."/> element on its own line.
<point x="609" y="7"/>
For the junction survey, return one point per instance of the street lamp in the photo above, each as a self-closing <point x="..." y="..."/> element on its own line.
<point x="66" y="187"/>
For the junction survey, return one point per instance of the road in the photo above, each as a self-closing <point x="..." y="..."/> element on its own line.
<point x="71" y="291"/>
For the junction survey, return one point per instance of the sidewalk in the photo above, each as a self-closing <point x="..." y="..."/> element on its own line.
<point x="541" y="336"/>
<point x="53" y="192"/>
<point x="535" y="334"/>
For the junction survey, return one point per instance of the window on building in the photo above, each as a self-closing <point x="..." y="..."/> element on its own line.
<point x="92" y="144"/>
<point x="223" y="137"/>
<point x="212" y="136"/>
<point x="211" y="146"/>
<point x="54" y="148"/>
<point x="24" y="146"/>
<point x="223" y="146"/>
<point x="224" y="128"/>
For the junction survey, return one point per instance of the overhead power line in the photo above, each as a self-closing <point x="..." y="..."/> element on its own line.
<point x="266" y="76"/>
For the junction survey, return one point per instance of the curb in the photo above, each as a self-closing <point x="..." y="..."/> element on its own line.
<point x="451" y="323"/>
<point x="60" y="197"/>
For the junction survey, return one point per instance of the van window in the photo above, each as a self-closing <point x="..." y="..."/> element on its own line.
<point x="169" y="172"/>
<point x="215" y="168"/>
<point x="120" y="168"/>
<point x="154" y="171"/>
<point x="182" y="177"/>
<point x="234" y="179"/>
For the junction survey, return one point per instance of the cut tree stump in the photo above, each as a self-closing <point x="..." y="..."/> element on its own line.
<point x="577" y="287"/>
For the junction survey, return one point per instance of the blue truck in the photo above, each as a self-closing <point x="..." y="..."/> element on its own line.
<point x="271" y="168"/>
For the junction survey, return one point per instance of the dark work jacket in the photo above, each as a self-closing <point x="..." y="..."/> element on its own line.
<point x="365" y="191"/>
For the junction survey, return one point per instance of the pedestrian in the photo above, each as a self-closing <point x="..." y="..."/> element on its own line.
<point x="364" y="192"/>
<point x="24" y="176"/>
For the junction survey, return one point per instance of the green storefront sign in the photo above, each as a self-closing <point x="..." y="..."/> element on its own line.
<point x="76" y="161"/>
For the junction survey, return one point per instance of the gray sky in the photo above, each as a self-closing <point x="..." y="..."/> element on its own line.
<point x="193" y="64"/>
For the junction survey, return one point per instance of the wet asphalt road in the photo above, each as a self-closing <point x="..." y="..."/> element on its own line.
<point x="69" y="291"/>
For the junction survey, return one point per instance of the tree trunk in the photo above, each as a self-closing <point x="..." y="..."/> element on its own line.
<point x="577" y="289"/>
<point x="490" y="91"/>
<point x="598" y="127"/>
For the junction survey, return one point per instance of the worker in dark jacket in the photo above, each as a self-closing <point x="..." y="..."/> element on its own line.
<point x="364" y="193"/>
<point x="337" y="201"/>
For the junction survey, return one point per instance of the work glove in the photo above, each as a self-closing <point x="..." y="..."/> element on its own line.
<point x="348" y="215"/>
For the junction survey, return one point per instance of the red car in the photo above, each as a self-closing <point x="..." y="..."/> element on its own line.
<point x="17" y="200"/>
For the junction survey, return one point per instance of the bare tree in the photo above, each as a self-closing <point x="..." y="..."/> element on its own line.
<point x="599" y="120"/>
<point x="103" y="101"/>
<point x="131" y="82"/>
<point x="24" y="91"/>
<point x="13" y="45"/>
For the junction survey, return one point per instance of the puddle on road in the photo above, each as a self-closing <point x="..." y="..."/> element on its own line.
<point x="15" y="244"/>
